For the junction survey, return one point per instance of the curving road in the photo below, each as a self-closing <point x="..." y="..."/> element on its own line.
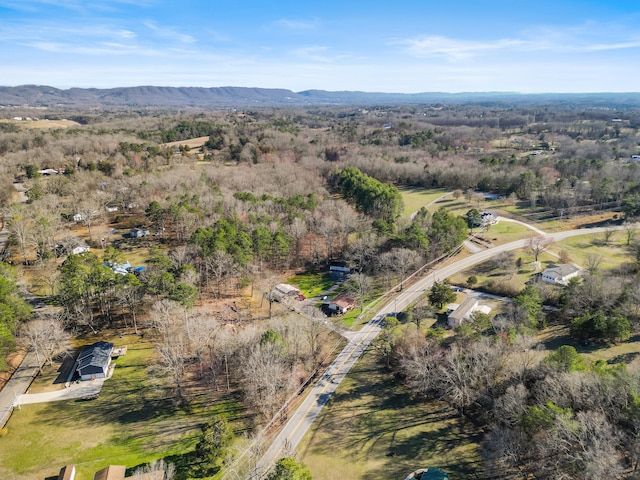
<point x="301" y="420"/>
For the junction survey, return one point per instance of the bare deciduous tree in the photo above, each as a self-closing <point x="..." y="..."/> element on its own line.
<point x="46" y="337"/>
<point x="537" y="245"/>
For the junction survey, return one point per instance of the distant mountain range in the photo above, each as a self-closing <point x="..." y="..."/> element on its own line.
<point x="217" y="97"/>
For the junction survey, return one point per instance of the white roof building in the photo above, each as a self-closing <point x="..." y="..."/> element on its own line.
<point x="560" y="274"/>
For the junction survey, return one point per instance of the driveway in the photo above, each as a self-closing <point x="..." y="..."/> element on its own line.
<point x="86" y="389"/>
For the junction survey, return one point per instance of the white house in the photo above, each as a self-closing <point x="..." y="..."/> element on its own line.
<point x="79" y="249"/>
<point x="560" y="274"/>
<point x="463" y="312"/>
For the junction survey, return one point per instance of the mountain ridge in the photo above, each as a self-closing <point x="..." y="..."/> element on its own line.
<point x="229" y="96"/>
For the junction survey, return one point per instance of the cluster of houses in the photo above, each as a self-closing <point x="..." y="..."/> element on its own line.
<point x="555" y="274"/>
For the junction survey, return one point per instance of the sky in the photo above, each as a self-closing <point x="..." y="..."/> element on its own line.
<point x="404" y="46"/>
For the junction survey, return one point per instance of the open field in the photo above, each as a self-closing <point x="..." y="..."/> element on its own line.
<point x="416" y="198"/>
<point x="581" y="248"/>
<point x="625" y="352"/>
<point x="312" y="284"/>
<point x="36" y="124"/>
<point x="191" y="143"/>
<point x="373" y="429"/>
<point x="132" y="422"/>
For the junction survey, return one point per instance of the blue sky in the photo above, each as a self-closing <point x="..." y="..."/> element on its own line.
<point x="392" y="46"/>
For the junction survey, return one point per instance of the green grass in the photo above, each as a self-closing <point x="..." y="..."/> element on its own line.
<point x="505" y="232"/>
<point x="416" y="198"/>
<point x="625" y="352"/>
<point x="312" y="284"/>
<point x="579" y="249"/>
<point x="133" y="422"/>
<point x="374" y="429"/>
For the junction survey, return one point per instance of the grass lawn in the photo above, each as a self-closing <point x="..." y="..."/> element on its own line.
<point x="505" y="232"/>
<point x="579" y="249"/>
<point x="312" y="284"/>
<point x="416" y="198"/>
<point x="133" y="422"/>
<point x="625" y="352"/>
<point x="373" y="429"/>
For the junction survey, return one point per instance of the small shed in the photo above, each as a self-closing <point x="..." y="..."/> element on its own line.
<point x="93" y="361"/>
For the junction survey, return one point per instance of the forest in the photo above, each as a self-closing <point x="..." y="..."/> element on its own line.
<point x="217" y="207"/>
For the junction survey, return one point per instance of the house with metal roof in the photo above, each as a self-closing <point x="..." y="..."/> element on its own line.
<point x="463" y="312"/>
<point x="93" y="361"/>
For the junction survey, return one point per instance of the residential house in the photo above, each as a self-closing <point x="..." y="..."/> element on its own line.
<point x="463" y="312"/>
<point x="560" y="274"/>
<point x="284" y="290"/>
<point x="71" y="245"/>
<point x="138" y="232"/>
<point x="343" y="302"/>
<point x="77" y="246"/>
<point x="489" y="218"/>
<point x="93" y="361"/>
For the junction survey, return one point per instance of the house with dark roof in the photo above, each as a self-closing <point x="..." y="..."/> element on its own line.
<point x="93" y="361"/>
<point x="560" y="274"/>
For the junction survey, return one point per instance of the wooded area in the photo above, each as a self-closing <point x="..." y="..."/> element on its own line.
<point x="215" y="225"/>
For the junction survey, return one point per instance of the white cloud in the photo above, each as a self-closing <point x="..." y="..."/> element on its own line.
<point x="455" y="49"/>
<point x="314" y="53"/>
<point x="297" y="24"/>
<point x="580" y="39"/>
<point x="169" y="33"/>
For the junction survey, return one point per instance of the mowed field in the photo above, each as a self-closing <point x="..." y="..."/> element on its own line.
<point x="416" y="198"/>
<point x="373" y="428"/>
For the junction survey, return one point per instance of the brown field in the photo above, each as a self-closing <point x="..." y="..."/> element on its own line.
<point x="46" y="124"/>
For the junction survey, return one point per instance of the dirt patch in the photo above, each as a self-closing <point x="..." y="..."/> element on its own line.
<point x="191" y="143"/>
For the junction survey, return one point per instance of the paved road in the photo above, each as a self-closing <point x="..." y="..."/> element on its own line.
<point x="301" y="420"/>
<point x="17" y="385"/>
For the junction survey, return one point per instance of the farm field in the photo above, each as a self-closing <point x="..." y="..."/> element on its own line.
<point x="42" y="124"/>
